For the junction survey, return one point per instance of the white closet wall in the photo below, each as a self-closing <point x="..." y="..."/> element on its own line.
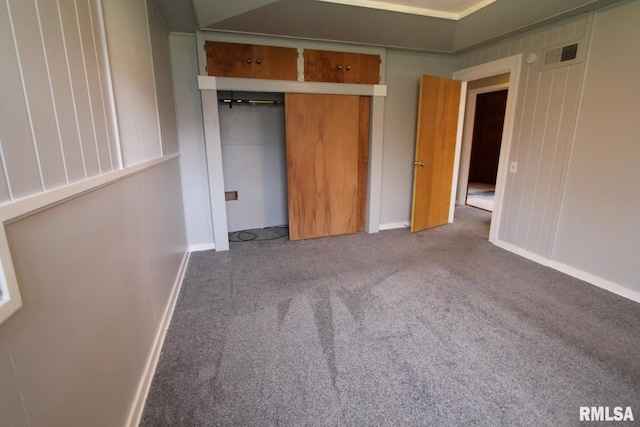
<point x="254" y="159"/>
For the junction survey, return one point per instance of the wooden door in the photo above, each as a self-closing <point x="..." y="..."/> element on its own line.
<point x="361" y="68"/>
<point x="435" y="151"/>
<point x="322" y="133"/>
<point x="229" y="59"/>
<point x="487" y="136"/>
<point x="275" y="63"/>
<point x="323" y="66"/>
<point x="363" y="159"/>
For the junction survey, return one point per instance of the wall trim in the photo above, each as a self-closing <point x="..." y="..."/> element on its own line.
<point x="394" y="225"/>
<point x="202" y="247"/>
<point x="467" y="138"/>
<point x="522" y="252"/>
<point x="572" y="271"/>
<point x="144" y="386"/>
<point x="596" y="281"/>
<point x="513" y="66"/>
<point x="32" y="204"/>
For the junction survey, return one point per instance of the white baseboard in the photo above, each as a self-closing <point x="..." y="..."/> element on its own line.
<point x="394" y="225"/>
<point x="522" y="252"/>
<point x="145" y="382"/>
<point x="572" y="271"/>
<point x="202" y="247"/>
<point x="595" y="280"/>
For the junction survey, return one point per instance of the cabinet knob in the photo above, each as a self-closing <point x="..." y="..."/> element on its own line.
<point x="258" y="61"/>
<point x="339" y="67"/>
<point x="249" y="61"/>
<point x="348" y="67"/>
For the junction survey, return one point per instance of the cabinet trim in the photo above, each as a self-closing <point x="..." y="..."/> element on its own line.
<point x="290" y="86"/>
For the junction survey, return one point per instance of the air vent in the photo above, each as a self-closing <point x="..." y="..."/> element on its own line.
<point x="565" y="54"/>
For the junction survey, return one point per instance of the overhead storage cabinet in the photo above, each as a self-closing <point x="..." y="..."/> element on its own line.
<point x="251" y="61"/>
<point x="341" y="67"/>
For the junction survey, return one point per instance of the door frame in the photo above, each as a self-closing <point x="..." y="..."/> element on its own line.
<point x="467" y="137"/>
<point x="513" y="66"/>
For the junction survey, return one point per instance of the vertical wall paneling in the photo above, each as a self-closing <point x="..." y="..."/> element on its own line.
<point x="5" y="191"/>
<point x="102" y="98"/>
<point x="597" y="233"/>
<point x="545" y="121"/>
<point x="58" y="69"/>
<point x="106" y="86"/>
<point x="56" y="122"/>
<point x="79" y="86"/>
<point x="127" y="33"/>
<point x="18" y="150"/>
<point x="33" y="66"/>
<point x="163" y="79"/>
<point x="94" y="86"/>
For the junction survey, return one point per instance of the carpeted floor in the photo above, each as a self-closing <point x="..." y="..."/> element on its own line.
<point x="438" y="328"/>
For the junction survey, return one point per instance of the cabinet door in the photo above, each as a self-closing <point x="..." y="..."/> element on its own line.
<point x="322" y="133"/>
<point x="323" y="66"/>
<point x="276" y="63"/>
<point x="361" y="68"/>
<point x="229" y="59"/>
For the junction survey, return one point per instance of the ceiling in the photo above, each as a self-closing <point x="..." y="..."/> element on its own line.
<point x="442" y="26"/>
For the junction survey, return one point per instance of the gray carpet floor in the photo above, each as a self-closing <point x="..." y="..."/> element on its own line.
<point x="438" y="328"/>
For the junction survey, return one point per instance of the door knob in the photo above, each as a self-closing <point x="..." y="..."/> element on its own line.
<point x="417" y="163"/>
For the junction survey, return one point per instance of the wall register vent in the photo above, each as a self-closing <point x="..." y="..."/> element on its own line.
<point x="568" y="53"/>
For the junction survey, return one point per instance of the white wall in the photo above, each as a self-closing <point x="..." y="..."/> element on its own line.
<point x="598" y="228"/>
<point x="159" y="33"/>
<point x="96" y="274"/>
<point x="254" y="165"/>
<point x="571" y="205"/>
<point x="129" y="46"/>
<point x="543" y="130"/>
<point x="193" y="158"/>
<point x="98" y="267"/>
<point x="400" y="118"/>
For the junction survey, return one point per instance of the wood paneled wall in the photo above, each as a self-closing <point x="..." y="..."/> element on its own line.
<point x="56" y="120"/>
<point x="128" y="40"/>
<point x="543" y="133"/>
<point x="61" y="91"/>
<point x="164" y="82"/>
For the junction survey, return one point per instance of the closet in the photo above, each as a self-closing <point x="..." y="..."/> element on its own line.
<point x="302" y="159"/>
<point x="252" y="136"/>
<point x="327" y="145"/>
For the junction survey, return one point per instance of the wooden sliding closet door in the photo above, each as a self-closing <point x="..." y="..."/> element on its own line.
<point x="324" y="164"/>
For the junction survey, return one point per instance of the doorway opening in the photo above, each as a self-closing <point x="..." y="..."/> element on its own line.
<point x="490" y="77"/>
<point x="486" y="140"/>
<point x="252" y="137"/>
